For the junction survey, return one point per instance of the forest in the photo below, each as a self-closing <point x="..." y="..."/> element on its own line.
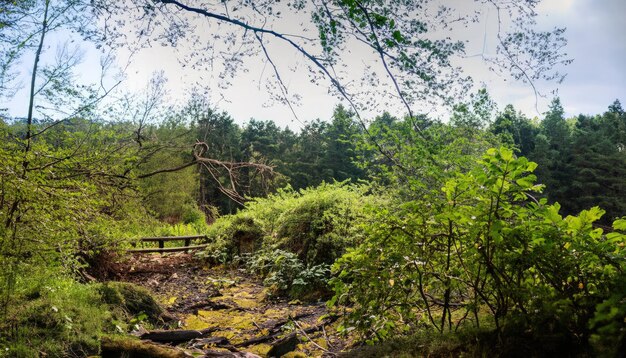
<point x="484" y="232"/>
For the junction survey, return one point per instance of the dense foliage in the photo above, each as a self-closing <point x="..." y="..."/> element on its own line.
<point x="447" y="234"/>
<point x="486" y="251"/>
<point x="415" y="225"/>
<point x="292" y="237"/>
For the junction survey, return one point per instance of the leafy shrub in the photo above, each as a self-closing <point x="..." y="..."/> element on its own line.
<point x="317" y="224"/>
<point x="231" y="237"/>
<point x="483" y="249"/>
<point x="290" y="238"/>
<point x="318" y="227"/>
<point x="286" y="274"/>
<point x="192" y="215"/>
<point x="609" y="320"/>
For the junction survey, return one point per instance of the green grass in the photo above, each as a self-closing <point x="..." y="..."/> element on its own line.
<point x="59" y="317"/>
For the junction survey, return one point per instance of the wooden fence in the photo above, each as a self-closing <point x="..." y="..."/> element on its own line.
<point x="163" y="239"/>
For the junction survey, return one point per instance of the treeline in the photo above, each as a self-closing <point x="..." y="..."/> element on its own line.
<point x="321" y="151"/>
<point x="582" y="160"/>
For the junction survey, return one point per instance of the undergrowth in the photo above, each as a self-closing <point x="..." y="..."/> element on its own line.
<point x="292" y="237"/>
<point x="514" y="341"/>
<point x="59" y="317"/>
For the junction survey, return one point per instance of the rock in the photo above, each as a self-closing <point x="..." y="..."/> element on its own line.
<point x="283" y="346"/>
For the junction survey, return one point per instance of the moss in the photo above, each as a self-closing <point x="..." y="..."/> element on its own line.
<point x="260" y="349"/>
<point x="133" y="299"/>
<point x="222" y="319"/>
<point x="63" y="318"/>
<point x="246" y="303"/>
<point x="118" y="346"/>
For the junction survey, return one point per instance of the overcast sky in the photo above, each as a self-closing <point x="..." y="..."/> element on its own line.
<point x="596" y="31"/>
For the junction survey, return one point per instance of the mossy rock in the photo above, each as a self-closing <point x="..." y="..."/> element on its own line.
<point x="132" y="299"/>
<point x="129" y="347"/>
<point x="66" y="325"/>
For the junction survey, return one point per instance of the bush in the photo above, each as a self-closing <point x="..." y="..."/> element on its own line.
<point x="286" y="275"/>
<point x="609" y="322"/>
<point x="484" y="249"/>
<point x="317" y="224"/>
<point x="192" y="215"/>
<point x="290" y="238"/>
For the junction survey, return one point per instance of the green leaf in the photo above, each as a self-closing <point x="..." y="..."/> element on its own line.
<point x="620" y="224"/>
<point x="506" y="153"/>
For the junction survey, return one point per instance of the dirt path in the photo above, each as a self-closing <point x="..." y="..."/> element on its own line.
<point x="233" y="305"/>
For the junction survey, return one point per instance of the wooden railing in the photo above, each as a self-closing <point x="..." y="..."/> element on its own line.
<point x="162" y="249"/>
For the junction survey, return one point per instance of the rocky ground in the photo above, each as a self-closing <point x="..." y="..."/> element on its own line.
<point x="232" y="310"/>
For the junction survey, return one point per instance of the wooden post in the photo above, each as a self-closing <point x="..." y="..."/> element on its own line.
<point x="187" y="242"/>
<point x="161" y="244"/>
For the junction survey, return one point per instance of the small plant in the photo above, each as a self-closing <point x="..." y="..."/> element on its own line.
<point x="284" y="269"/>
<point x="286" y="275"/>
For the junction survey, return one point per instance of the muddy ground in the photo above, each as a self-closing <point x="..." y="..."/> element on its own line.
<point x="235" y="307"/>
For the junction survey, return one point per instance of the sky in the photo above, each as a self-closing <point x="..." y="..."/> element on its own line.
<point x="596" y="35"/>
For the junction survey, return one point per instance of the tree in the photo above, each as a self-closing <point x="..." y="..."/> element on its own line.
<point x="552" y="152"/>
<point x="598" y="169"/>
<point x="614" y="122"/>
<point x="515" y="129"/>
<point x="37" y="170"/>
<point x="408" y="38"/>
<point x="309" y="167"/>
<point x="340" y="156"/>
<point x="476" y="113"/>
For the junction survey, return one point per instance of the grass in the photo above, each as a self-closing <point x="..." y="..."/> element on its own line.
<point x="60" y="318"/>
<point x="56" y="316"/>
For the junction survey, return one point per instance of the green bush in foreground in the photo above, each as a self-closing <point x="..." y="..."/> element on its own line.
<point x="482" y="250"/>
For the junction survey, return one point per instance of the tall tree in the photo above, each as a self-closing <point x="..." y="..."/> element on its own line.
<point x="515" y="129"/>
<point x="476" y="113"/>
<point x="552" y="152"/>
<point x="309" y="168"/>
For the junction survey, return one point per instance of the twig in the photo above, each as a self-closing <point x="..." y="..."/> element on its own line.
<point x="301" y="330"/>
